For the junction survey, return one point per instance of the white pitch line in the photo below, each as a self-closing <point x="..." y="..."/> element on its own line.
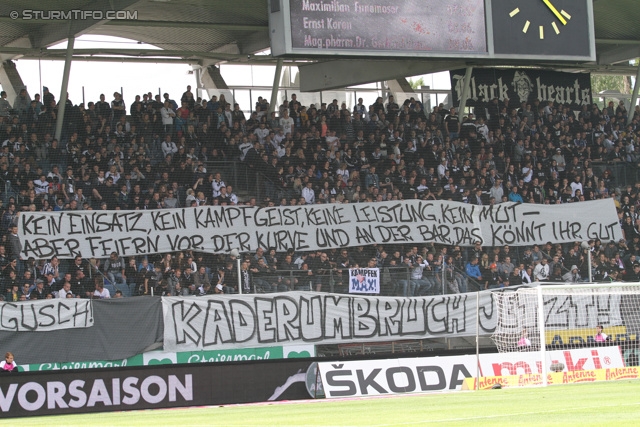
<point x="444" y="420"/>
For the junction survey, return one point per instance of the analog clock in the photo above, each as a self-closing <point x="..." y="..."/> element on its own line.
<point x="562" y="15"/>
<point x="541" y="28"/>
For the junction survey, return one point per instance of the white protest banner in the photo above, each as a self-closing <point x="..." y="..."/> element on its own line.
<point x="233" y="321"/>
<point x="364" y="280"/>
<point x="46" y="315"/>
<point x="220" y="229"/>
<point x="561" y="312"/>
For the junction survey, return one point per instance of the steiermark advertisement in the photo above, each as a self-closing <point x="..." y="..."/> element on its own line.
<point x="167" y="358"/>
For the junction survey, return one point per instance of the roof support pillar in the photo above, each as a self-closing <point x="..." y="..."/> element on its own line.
<point x="634" y="96"/>
<point x="276" y="87"/>
<point x="214" y="84"/>
<point x="63" y="90"/>
<point x="465" y="93"/>
<point x="10" y="80"/>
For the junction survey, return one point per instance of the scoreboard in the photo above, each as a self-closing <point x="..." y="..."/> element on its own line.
<point x="518" y="29"/>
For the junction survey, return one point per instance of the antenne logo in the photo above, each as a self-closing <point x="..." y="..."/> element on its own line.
<point x="622" y="373"/>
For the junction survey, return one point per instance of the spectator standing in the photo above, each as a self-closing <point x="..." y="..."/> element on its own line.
<point x="5" y="105"/>
<point x="118" y="107"/>
<point x="22" y="103"/>
<point x="452" y="124"/>
<point x="168" y="115"/>
<point x="15" y="248"/>
<point x="286" y="123"/>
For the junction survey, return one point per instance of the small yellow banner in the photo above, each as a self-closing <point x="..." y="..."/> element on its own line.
<point x="572" y="377"/>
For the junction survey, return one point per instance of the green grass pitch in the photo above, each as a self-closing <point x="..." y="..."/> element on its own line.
<point x="595" y="404"/>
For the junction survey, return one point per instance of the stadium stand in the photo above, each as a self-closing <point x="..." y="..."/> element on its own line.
<point x="167" y="153"/>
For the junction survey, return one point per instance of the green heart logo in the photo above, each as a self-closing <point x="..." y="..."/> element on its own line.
<point x="159" y="362"/>
<point x="298" y="354"/>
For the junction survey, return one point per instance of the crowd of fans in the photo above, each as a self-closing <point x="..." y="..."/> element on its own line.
<point x="158" y="153"/>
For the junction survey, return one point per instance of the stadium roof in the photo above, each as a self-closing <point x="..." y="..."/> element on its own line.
<point x="210" y="31"/>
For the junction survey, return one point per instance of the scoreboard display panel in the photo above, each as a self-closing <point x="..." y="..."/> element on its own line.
<point x="486" y="29"/>
<point x="454" y="26"/>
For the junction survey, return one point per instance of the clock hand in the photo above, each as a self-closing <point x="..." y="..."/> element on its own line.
<point x="555" y="11"/>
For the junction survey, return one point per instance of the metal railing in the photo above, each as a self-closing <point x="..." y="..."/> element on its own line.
<point x="394" y="281"/>
<point x="8" y="191"/>
<point x="236" y="173"/>
<point x="246" y="96"/>
<point x="623" y="173"/>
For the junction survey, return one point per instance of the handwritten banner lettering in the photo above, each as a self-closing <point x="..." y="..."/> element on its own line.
<point x="237" y="321"/>
<point x="46" y="315"/>
<point x="561" y="312"/>
<point x="364" y="280"/>
<point x="220" y="229"/>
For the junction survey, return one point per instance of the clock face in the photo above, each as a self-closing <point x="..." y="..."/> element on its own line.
<point x="560" y="28"/>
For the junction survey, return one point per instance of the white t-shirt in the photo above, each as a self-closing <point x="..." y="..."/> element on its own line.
<point x="63" y="294"/>
<point x="102" y="295"/>
<point x="541" y="272"/>
<point x="167" y="116"/>
<point x="309" y="195"/>
<point x="575" y="186"/>
<point x="286" y="125"/>
<point x="261" y="133"/>
<point x="41" y="187"/>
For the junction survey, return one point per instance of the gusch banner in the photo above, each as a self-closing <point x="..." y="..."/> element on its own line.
<point x="46" y="315"/>
<point x="523" y="85"/>
<point x="220" y="229"/>
<point x="232" y="321"/>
